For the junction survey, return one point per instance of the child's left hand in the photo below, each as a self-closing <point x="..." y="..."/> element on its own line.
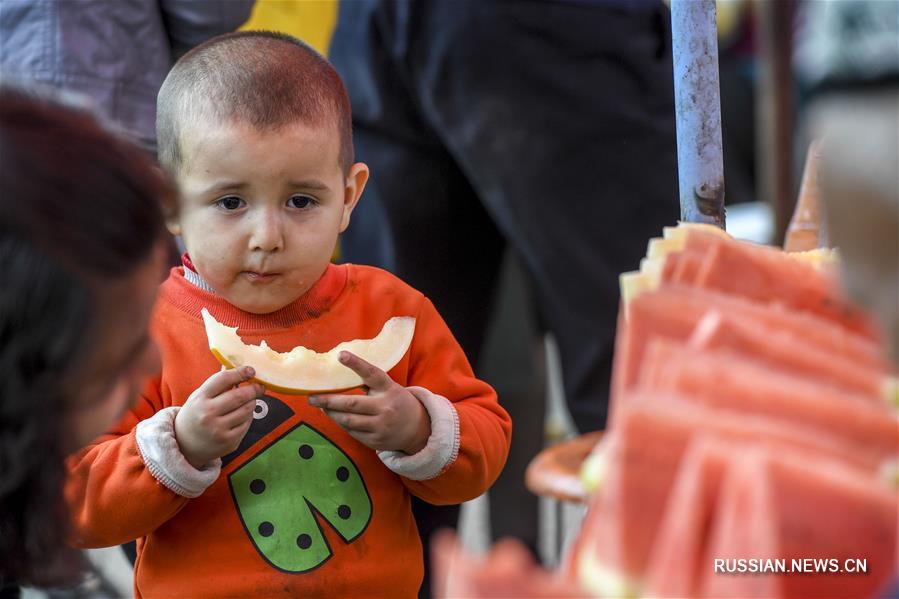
<point x="388" y="417"/>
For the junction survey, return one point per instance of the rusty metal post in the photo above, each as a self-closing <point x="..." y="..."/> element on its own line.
<point x="774" y="111"/>
<point x="697" y="102"/>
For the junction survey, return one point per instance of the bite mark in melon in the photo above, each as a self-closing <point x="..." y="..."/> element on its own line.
<point x="302" y="371"/>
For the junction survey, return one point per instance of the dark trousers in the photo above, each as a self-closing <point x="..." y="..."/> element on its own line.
<point x="547" y="126"/>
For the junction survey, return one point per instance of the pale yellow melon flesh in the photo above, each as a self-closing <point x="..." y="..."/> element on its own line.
<point x="302" y="371"/>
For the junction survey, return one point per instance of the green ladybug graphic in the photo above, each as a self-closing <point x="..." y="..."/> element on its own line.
<point x="279" y="491"/>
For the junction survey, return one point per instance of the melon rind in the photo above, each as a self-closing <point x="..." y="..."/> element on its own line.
<point x="601" y="581"/>
<point x="302" y="371"/>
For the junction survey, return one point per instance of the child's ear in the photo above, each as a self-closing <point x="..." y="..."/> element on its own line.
<point x="355" y="183"/>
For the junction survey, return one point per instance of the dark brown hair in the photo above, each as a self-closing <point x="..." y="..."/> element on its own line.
<point x="262" y="78"/>
<point x="80" y="208"/>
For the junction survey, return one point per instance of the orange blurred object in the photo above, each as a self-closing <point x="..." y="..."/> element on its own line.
<point x="806" y="231"/>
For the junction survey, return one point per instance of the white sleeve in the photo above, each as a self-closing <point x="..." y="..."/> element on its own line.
<point x="162" y="455"/>
<point x="442" y="447"/>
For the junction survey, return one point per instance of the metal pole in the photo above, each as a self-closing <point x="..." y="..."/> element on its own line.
<point x="697" y="102"/>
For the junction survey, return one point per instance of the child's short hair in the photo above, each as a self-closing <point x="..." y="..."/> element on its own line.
<point x="261" y="78"/>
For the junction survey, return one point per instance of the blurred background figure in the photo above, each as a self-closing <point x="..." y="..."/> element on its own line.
<point x="860" y="193"/>
<point x="847" y="61"/>
<point x="737" y="75"/>
<point x="542" y="131"/>
<point x="109" y="56"/>
<point x="114" y="52"/>
<point x="80" y="242"/>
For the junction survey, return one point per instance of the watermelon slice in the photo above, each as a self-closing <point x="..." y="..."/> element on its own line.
<point x="767" y="274"/>
<point x="764" y="512"/>
<point x="673" y="312"/>
<point x="733" y="382"/>
<point x="651" y="435"/>
<point x="785" y="350"/>
<point x="677" y="561"/>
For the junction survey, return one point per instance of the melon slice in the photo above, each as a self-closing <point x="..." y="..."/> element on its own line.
<point x="666" y="261"/>
<point x="777" y="505"/>
<point x="302" y="371"/>
<point x="658" y="251"/>
<point x="785" y="350"/>
<point x="677" y="560"/>
<point x="652" y="433"/>
<point x="674" y="311"/>
<point x="733" y="382"/>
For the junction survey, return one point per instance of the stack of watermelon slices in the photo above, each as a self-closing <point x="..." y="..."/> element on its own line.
<point x="749" y="434"/>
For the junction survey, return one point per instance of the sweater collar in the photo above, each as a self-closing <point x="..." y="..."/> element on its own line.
<point x="187" y="290"/>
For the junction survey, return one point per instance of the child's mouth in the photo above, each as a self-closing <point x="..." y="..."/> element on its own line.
<point x="260" y="277"/>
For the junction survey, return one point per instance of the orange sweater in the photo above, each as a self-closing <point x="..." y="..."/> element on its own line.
<point x="301" y="508"/>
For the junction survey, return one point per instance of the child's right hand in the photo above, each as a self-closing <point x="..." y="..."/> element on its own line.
<point x="216" y="416"/>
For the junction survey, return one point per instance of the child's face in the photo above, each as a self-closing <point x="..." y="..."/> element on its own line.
<point x="261" y="210"/>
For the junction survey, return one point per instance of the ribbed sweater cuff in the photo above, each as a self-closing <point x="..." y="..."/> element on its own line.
<point x="159" y="449"/>
<point x="442" y="447"/>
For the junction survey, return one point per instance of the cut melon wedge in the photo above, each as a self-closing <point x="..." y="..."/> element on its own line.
<point x="649" y="277"/>
<point x="674" y="239"/>
<point x="302" y="371"/>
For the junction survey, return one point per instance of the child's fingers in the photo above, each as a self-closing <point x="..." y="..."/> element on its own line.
<point x="241" y="429"/>
<point x="352" y="422"/>
<point x="234" y="399"/>
<point x="356" y="404"/>
<point x="373" y="377"/>
<point x="220" y="382"/>
<point x="240" y="416"/>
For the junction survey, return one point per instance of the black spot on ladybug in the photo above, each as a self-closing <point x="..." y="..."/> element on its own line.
<point x="343" y="474"/>
<point x="257" y="486"/>
<point x="344" y="511"/>
<point x="266" y="529"/>
<point x="304" y="541"/>
<point x="306" y="451"/>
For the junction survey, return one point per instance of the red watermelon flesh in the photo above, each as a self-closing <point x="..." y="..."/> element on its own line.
<point x="673" y="311"/>
<point x="769" y="275"/>
<point x="650" y="437"/>
<point x="785" y="350"/>
<point x="682" y="267"/>
<point x="733" y="382"/>
<point x="677" y="560"/>
<point x="777" y="505"/>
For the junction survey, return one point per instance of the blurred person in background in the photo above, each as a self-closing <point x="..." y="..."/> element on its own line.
<point x="114" y="52"/>
<point x="109" y="55"/>
<point x="80" y="241"/>
<point x="847" y="62"/>
<point x="547" y="127"/>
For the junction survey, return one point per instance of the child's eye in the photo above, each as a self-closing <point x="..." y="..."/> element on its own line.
<point x="300" y="201"/>
<point x="230" y="203"/>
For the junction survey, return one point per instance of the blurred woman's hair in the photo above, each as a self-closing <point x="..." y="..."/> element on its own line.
<point x="79" y="208"/>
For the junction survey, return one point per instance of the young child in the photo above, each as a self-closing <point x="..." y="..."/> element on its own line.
<point x="237" y="490"/>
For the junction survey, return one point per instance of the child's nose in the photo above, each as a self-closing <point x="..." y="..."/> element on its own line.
<point x="268" y="232"/>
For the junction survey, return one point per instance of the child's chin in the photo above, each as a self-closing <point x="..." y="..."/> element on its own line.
<point x="258" y="305"/>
